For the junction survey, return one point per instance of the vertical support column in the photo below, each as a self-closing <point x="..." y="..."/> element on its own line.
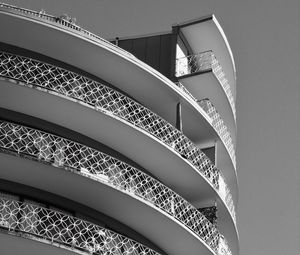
<point x="217" y="147"/>
<point x="175" y="32"/>
<point x="178" y="117"/>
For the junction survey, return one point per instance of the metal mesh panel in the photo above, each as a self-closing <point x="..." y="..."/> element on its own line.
<point x="60" y="152"/>
<point x="220" y="127"/>
<point x="218" y="71"/>
<point x="71" y="85"/>
<point x="205" y="61"/>
<point x="193" y="63"/>
<point x="57" y="227"/>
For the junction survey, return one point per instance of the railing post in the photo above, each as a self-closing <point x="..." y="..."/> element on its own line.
<point x="178" y="117"/>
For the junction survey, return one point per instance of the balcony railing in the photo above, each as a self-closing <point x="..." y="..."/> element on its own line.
<point x="193" y="63"/>
<point x="50" y="226"/>
<point x="219" y="73"/>
<point x="61" y="82"/>
<point x="187" y="65"/>
<point x="220" y="127"/>
<point x="223" y="246"/>
<point x="225" y="194"/>
<point x="202" y="62"/>
<point x="63" y="22"/>
<point x="216" y="121"/>
<point x="63" y="153"/>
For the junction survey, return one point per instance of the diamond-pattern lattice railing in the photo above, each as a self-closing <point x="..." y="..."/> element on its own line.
<point x="33" y="73"/>
<point x="202" y="62"/>
<point x="62" y="22"/>
<point x="219" y="73"/>
<point x="217" y="121"/>
<point x="220" y="127"/>
<point x="225" y="194"/>
<point x="223" y="247"/>
<point x="60" y="152"/>
<point x="37" y="222"/>
<point x="223" y="132"/>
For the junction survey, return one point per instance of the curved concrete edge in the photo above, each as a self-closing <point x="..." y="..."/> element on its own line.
<point x="225" y="41"/>
<point x="142" y="216"/>
<point x="194" y="180"/>
<point x="19" y="243"/>
<point x="59" y="102"/>
<point x="191" y="83"/>
<point x="164" y="81"/>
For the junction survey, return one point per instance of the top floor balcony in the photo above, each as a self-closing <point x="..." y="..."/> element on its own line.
<point x="202" y="34"/>
<point x="204" y="62"/>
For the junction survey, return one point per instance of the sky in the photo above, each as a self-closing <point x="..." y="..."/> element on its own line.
<point x="265" y="39"/>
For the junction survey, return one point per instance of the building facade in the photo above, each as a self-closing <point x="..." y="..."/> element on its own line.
<point x="120" y="147"/>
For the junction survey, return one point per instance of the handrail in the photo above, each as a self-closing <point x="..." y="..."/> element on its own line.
<point x="63" y="153"/>
<point x="62" y="22"/>
<point x="36" y="74"/>
<point x="205" y="61"/>
<point x="36" y="222"/>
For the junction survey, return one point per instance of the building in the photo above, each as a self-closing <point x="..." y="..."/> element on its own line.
<point x="121" y="147"/>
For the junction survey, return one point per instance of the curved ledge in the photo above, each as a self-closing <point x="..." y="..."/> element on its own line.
<point x="62" y="153"/>
<point x="64" y="22"/>
<point x="221" y="31"/>
<point x="45" y="77"/>
<point x="219" y="73"/>
<point x="61" y="230"/>
<point x="69" y="27"/>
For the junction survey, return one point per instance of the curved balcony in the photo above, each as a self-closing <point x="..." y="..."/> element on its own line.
<point x="86" y="49"/>
<point x="63" y="21"/>
<point x="62" y="230"/>
<point x="58" y="81"/>
<point x="203" y="62"/>
<point x="62" y="153"/>
<point x="69" y="24"/>
<point x="216" y="121"/>
<point x="220" y="127"/>
<point x="206" y="33"/>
